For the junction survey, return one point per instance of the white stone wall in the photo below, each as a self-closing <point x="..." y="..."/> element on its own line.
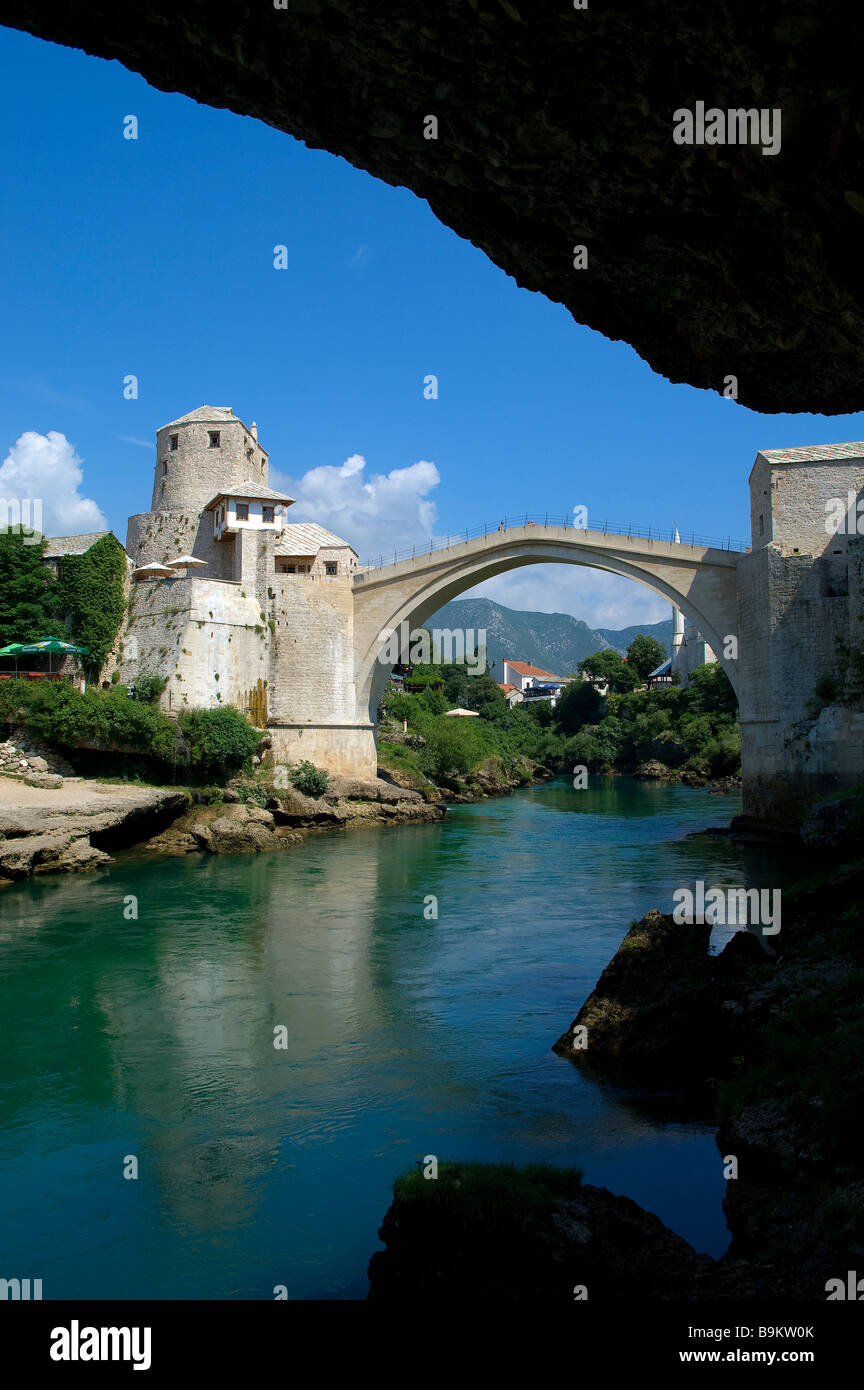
<point x="313" y="677"/>
<point x="205" y="636"/>
<point x="792" y="499"/>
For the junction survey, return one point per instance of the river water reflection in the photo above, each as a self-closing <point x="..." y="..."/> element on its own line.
<point x="257" y="1166"/>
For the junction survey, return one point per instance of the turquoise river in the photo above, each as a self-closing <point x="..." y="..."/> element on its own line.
<point x="151" y="1038"/>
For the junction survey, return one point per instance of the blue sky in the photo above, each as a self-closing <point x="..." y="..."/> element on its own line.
<point x="154" y="257"/>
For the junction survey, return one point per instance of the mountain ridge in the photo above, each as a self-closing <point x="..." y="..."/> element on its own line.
<point x="556" y="642"/>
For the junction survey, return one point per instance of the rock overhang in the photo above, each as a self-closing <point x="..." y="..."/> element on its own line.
<point x="555" y="129"/>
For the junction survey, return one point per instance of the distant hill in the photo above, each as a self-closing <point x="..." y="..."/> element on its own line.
<point x="556" y="642"/>
<point x="620" y="638"/>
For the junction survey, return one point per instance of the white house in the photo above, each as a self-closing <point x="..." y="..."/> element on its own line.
<point x="253" y="508"/>
<point x="532" y="682"/>
<point x="511" y="694"/>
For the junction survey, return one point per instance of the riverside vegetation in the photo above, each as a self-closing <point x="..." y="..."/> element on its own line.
<point x="691" y="733"/>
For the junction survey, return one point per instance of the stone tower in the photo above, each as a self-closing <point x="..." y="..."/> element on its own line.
<point x="206" y="452"/>
<point x="203" y="453"/>
<point x="801" y="619"/>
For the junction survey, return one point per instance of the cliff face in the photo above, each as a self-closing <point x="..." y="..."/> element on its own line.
<point x="554" y="130"/>
<point x="774" y="1047"/>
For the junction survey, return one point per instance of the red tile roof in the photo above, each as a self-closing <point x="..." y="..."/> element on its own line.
<point x="525" y="670"/>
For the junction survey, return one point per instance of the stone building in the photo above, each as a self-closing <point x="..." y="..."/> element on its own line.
<point x="241" y="608"/>
<point x="801" y="629"/>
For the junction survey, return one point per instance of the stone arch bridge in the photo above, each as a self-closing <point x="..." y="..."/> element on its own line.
<point x="793" y="600"/>
<point x="701" y="579"/>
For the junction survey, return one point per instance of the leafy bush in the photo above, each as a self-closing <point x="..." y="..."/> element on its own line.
<point x="219" y="741"/>
<point x="210" y="796"/>
<point x="251" y="794"/>
<point x="309" y="779"/>
<point x="148" y="688"/>
<point x="60" y="714"/>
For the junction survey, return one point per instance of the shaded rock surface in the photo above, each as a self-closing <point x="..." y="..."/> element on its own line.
<point x="466" y="1242"/>
<point x="785" y="1037"/>
<point x="606" y="1244"/>
<point x="554" y="130"/>
<point x="46" y="829"/>
<point x="836" y="826"/>
<point x="22" y="755"/>
<point x="660" y="987"/>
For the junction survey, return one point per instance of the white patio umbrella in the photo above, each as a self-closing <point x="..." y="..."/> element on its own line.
<point x="186" y="562"/>
<point x="153" y="571"/>
<point x="461" y="713"/>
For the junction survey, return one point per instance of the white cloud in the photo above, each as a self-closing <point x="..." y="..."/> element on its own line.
<point x="374" y="514"/>
<point x="600" y="599"/>
<point x="382" y="512"/>
<point x="142" y="443"/>
<point x="46" y="467"/>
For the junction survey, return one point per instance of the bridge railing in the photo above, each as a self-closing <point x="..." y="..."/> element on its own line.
<point x="543" y="519"/>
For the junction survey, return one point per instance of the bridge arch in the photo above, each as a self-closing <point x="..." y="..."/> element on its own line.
<point x="701" y="581"/>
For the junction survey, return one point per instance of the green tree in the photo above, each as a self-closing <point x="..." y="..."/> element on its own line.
<point x="644" y="655"/>
<point x="610" y="666"/>
<point x="455" y="682"/>
<point x="580" y="704"/>
<point x="433" y="700"/>
<point x="709" y="688"/>
<point x="28" y="607"/>
<point x="481" y="691"/>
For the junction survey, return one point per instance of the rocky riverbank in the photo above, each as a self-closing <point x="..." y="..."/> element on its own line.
<point x="235" y="826"/>
<point x="661" y="773"/>
<point x="51" y="824"/>
<point x="70" y="825"/>
<point x="493" y="777"/>
<point x="770" y="1043"/>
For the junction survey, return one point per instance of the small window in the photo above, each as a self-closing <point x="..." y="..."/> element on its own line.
<point x="268" y="514"/>
<point x="164" y="469"/>
<point x="242" y="511"/>
<point x="761" y="526"/>
<point x="174" y="441"/>
<point x="214" y="439"/>
<point x="330" y="567"/>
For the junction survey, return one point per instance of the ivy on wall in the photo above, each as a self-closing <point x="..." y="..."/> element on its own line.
<point x="27" y="591"/>
<point x="90" y="594"/>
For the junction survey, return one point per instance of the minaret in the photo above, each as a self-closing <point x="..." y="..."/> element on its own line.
<point x="677" y="625"/>
<point x="677" y="632"/>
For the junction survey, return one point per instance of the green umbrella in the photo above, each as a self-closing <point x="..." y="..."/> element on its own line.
<point x="14" y="649"/>
<point x="55" y="644"/>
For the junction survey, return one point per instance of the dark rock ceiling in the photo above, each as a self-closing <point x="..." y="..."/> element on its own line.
<point x="555" y="129"/>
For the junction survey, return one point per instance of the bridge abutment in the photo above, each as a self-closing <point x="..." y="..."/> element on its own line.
<point x="801" y="628"/>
